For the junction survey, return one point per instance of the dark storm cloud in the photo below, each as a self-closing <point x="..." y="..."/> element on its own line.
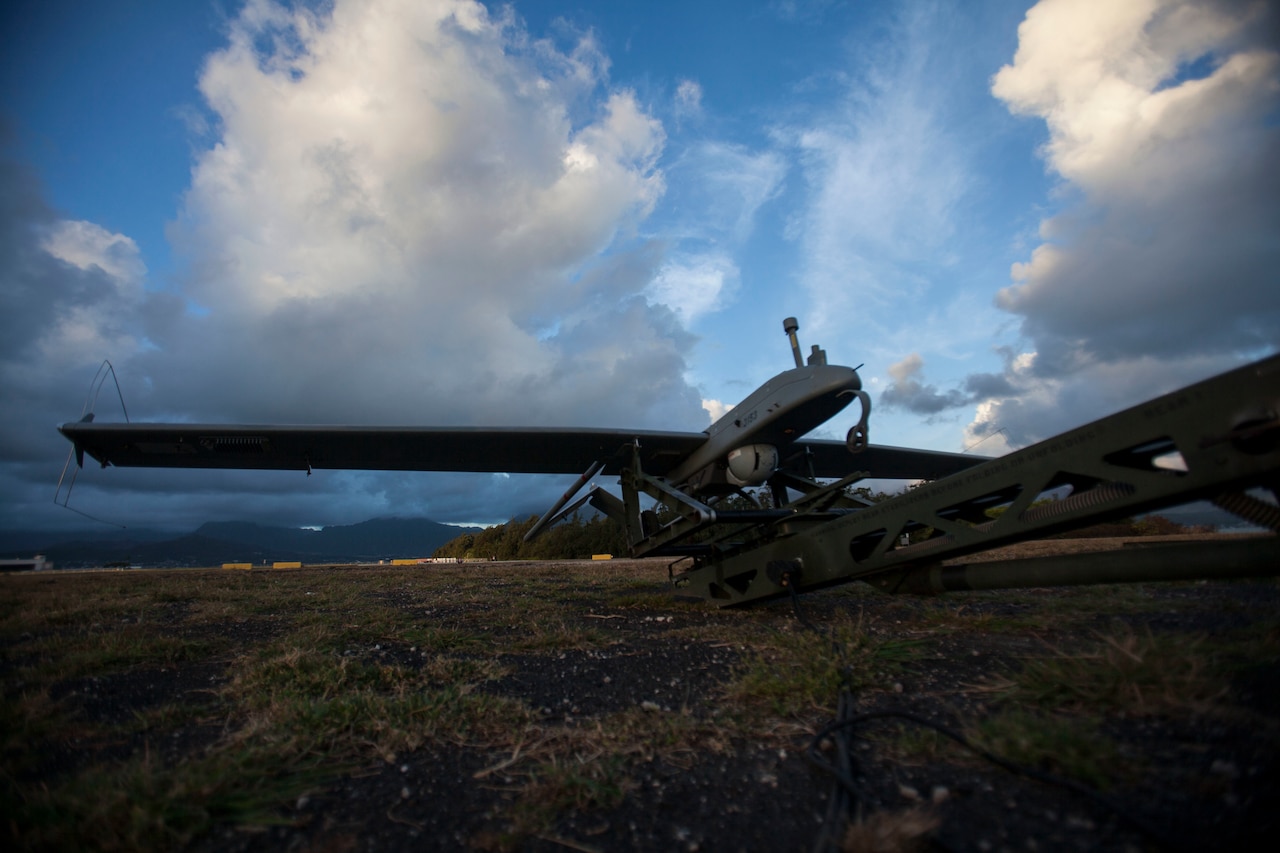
<point x="52" y="312"/>
<point x="908" y="391"/>
<point x="982" y="385"/>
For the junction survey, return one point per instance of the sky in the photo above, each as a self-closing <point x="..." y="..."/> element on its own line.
<point x="1018" y="217"/>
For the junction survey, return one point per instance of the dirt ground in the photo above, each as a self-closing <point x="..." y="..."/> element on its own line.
<point x="577" y="706"/>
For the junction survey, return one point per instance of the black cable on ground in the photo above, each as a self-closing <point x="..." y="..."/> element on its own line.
<point x="843" y="801"/>
<point x="844" y="798"/>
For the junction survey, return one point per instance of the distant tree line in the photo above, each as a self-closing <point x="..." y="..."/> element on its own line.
<point x="578" y="538"/>
<point x="575" y="538"/>
<point x="1150" y="525"/>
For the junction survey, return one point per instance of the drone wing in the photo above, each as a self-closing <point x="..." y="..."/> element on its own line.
<point x="478" y="449"/>
<point x="832" y="459"/>
<point x="509" y="450"/>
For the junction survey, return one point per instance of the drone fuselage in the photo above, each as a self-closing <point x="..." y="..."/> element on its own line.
<point x="776" y="414"/>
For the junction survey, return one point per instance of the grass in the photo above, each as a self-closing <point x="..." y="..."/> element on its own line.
<point x="1124" y="671"/>
<point x="1050" y="707"/>
<point x="305" y="709"/>
<point x="314" y="676"/>
<point x="797" y="673"/>
<point x="29" y="716"/>
<point x="554" y="634"/>
<point x="592" y="768"/>
<point x="1066" y="745"/>
<point x="561" y="784"/>
<point x="75" y="654"/>
<point x="146" y="804"/>
<point x="1070" y="745"/>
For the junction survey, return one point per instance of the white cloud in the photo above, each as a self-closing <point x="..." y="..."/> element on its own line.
<point x="694" y="286"/>
<point x="98" y="317"/>
<point x="89" y="246"/>
<point x="716" y="409"/>
<point x="1161" y="267"/>
<point x="402" y="199"/>
<point x="1104" y="76"/>
<point x="97" y="314"/>
<point x="406" y="212"/>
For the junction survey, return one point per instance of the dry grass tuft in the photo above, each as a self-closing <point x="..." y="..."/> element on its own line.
<point x="891" y="832"/>
<point x="1125" y="671"/>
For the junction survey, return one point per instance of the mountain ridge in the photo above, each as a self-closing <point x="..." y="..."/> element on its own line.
<point x="216" y="542"/>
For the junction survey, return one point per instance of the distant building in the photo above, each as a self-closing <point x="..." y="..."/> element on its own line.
<point x="37" y="563"/>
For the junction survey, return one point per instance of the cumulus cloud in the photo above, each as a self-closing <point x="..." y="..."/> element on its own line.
<point x="716" y="409"/>
<point x="96" y="323"/>
<point x="407" y="212"/>
<point x="399" y="215"/>
<point x="88" y="247"/>
<point x="70" y="287"/>
<point x="908" y="391"/>
<point x="1160" y="267"/>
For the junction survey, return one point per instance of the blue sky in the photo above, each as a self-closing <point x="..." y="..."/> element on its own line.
<point x="1019" y="216"/>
